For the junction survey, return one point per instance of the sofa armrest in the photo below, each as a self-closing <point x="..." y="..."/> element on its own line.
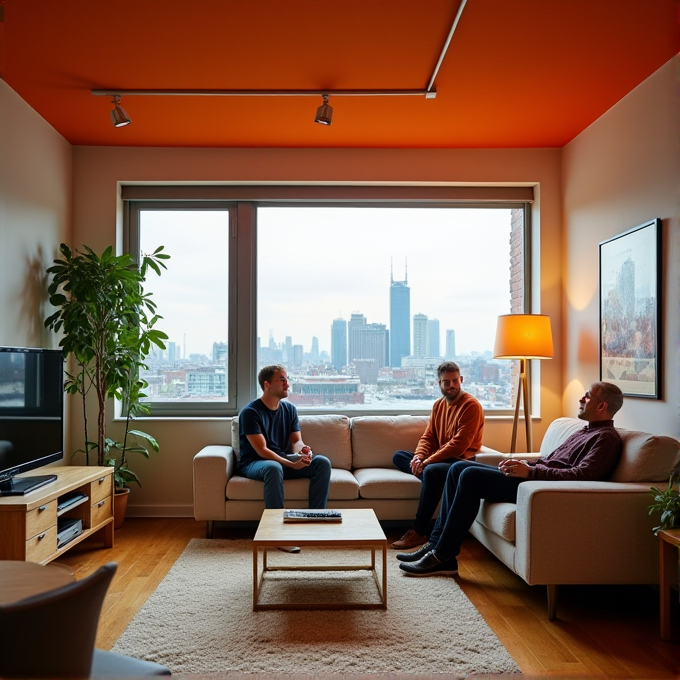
<point x="496" y="457"/>
<point x="585" y="532"/>
<point x="213" y="467"/>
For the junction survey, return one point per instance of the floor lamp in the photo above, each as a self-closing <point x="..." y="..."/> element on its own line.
<point x="523" y="337"/>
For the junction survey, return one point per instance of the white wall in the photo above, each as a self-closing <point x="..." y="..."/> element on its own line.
<point x="620" y="172"/>
<point x="35" y="214"/>
<point x="98" y="172"/>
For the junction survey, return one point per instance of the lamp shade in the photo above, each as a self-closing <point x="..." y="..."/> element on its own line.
<point x="523" y="336"/>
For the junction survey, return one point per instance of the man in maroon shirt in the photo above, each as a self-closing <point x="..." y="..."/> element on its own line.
<point x="589" y="454"/>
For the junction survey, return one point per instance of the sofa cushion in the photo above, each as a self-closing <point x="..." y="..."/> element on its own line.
<point x="386" y="483"/>
<point x="376" y="438"/>
<point x="499" y="518"/>
<point x="327" y="435"/>
<point x="343" y="487"/>
<point x="559" y="430"/>
<point x="645" y="457"/>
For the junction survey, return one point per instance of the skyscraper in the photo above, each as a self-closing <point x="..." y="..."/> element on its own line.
<point x="419" y="335"/>
<point x="400" y="319"/>
<point x="355" y="321"/>
<point x="371" y="343"/>
<point x="339" y="344"/>
<point x="450" y="345"/>
<point x="433" y="338"/>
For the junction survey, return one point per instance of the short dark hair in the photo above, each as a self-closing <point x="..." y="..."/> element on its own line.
<point x="610" y="394"/>
<point x="447" y="367"/>
<point x="267" y="373"/>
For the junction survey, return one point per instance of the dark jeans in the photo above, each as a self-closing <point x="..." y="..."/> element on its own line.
<point x="272" y="474"/>
<point x="433" y="479"/>
<point x="467" y="484"/>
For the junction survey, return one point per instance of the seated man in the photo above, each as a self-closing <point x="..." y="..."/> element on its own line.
<point x="589" y="454"/>
<point x="454" y="433"/>
<point x="269" y="432"/>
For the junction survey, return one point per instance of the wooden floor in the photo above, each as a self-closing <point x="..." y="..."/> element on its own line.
<point x="610" y="631"/>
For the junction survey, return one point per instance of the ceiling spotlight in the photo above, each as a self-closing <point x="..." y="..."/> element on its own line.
<point x="324" y="113"/>
<point x="118" y="116"/>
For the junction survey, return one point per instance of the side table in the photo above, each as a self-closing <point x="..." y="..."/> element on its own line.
<point x="669" y="542"/>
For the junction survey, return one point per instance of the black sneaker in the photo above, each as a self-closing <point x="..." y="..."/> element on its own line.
<point x="416" y="554"/>
<point x="431" y="565"/>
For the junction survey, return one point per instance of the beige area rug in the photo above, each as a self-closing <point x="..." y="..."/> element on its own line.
<point x="200" y="619"/>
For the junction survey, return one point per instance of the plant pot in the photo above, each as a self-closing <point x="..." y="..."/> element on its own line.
<point x="120" y="499"/>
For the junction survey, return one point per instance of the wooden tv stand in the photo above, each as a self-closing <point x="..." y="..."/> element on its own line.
<point x="28" y="523"/>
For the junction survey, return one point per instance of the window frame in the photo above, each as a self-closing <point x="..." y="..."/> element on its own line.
<point x="131" y="244"/>
<point x="243" y="202"/>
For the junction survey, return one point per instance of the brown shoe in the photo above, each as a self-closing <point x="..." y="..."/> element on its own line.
<point x="411" y="539"/>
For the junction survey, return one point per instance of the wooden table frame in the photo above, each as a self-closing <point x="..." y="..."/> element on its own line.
<point x="669" y="543"/>
<point x="359" y="529"/>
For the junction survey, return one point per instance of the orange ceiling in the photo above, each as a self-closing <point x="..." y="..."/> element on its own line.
<point x="518" y="73"/>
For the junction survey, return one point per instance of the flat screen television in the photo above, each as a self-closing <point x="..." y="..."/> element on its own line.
<point x="31" y="416"/>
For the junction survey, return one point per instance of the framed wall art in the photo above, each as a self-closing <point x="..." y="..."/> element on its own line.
<point x="630" y="304"/>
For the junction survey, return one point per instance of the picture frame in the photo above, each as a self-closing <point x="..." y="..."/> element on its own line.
<point x="630" y="316"/>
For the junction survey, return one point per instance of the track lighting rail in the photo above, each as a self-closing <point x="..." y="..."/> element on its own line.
<point x="428" y="94"/>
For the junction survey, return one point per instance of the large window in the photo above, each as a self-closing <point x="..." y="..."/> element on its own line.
<point x="360" y="301"/>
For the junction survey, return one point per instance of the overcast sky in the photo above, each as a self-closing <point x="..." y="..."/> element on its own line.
<point x="319" y="264"/>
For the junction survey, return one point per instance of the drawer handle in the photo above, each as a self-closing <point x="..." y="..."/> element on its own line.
<point x="42" y="507"/>
<point x="41" y="536"/>
<point x="99" y="505"/>
<point x="101" y="480"/>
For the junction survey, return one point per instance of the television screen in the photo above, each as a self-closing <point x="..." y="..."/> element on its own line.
<point x="31" y="414"/>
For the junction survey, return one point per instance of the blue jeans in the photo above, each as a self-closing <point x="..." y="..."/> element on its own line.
<point x="272" y="474"/>
<point x="467" y="484"/>
<point x="433" y="479"/>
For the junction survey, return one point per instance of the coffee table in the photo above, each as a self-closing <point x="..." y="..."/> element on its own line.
<point x="359" y="529"/>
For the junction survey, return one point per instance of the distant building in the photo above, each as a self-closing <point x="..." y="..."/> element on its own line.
<point x="355" y="322"/>
<point x="339" y="344"/>
<point x="207" y="383"/>
<point x="451" y="345"/>
<point x="420" y="335"/>
<point x="433" y="338"/>
<point x="400" y="320"/>
<point x="371" y="342"/>
<point x="325" y="390"/>
<point x="219" y="353"/>
<point x="367" y="370"/>
<point x="297" y="355"/>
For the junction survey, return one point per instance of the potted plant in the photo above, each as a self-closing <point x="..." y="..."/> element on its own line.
<point x="108" y="326"/>
<point x="667" y="503"/>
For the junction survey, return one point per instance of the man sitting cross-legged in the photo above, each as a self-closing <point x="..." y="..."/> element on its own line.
<point x="453" y="433"/>
<point x="589" y="454"/>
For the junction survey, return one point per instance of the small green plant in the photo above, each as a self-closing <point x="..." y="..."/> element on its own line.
<point x="667" y="503"/>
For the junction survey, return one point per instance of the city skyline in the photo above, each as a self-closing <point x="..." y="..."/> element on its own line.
<point x="308" y="276"/>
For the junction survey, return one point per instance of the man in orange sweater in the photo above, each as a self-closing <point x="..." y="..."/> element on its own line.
<point x="454" y="433"/>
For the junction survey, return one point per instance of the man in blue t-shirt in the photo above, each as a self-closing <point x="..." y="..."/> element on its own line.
<point x="269" y="432"/>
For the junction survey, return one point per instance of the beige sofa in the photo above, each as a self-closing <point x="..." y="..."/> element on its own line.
<point x="582" y="532"/>
<point x="363" y="476"/>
